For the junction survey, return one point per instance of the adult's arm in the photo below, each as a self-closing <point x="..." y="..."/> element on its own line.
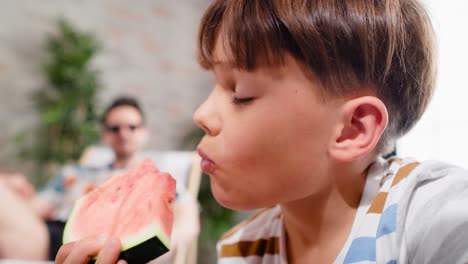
<point x="23" y="234"/>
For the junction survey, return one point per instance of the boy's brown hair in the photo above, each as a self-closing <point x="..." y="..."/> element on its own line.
<point x="348" y="45"/>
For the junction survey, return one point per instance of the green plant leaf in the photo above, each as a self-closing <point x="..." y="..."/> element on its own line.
<point x="66" y="105"/>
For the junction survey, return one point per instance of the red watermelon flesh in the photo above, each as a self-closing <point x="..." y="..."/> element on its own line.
<point x="134" y="206"/>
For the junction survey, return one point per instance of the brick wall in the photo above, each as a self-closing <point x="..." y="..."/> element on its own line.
<point x="148" y="50"/>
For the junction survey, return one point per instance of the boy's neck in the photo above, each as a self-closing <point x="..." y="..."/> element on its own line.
<point x="317" y="226"/>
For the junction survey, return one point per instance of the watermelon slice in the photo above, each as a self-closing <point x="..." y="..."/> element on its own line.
<point x="134" y="206"/>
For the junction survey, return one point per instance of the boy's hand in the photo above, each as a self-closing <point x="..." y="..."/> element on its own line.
<point x="81" y="252"/>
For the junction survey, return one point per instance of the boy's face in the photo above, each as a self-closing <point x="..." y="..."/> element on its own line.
<point x="124" y="131"/>
<point x="267" y="134"/>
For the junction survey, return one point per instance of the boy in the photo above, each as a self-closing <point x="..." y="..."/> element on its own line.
<point x="308" y="96"/>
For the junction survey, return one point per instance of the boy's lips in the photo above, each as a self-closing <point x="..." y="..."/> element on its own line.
<point x="206" y="164"/>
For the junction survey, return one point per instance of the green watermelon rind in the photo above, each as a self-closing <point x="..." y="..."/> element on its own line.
<point x="147" y="234"/>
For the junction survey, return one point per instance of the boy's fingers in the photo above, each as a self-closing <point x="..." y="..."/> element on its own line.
<point x="85" y="250"/>
<point x="80" y="252"/>
<point x="63" y="252"/>
<point x="109" y="254"/>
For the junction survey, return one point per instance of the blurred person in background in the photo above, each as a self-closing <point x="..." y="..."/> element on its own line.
<point x="41" y="217"/>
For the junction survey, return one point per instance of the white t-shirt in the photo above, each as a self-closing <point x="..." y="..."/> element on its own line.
<point x="410" y="212"/>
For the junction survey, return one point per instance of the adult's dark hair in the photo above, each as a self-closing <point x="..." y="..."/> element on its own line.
<point x="122" y="101"/>
<point x="345" y="45"/>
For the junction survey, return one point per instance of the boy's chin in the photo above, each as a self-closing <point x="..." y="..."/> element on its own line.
<point x="234" y="200"/>
<point x="237" y="205"/>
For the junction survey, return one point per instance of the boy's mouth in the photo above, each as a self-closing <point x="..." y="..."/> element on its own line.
<point x="206" y="164"/>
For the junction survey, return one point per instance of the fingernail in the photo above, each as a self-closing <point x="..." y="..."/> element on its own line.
<point x="110" y="244"/>
<point x="101" y="238"/>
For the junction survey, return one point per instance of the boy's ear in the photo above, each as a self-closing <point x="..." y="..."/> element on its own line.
<point x="363" y="121"/>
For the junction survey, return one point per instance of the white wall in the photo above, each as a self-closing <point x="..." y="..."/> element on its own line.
<point x="442" y="132"/>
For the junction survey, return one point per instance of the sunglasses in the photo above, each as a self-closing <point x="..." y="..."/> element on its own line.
<point x="116" y="128"/>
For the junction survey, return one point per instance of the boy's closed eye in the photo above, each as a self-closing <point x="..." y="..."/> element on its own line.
<point x="245" y="100"/>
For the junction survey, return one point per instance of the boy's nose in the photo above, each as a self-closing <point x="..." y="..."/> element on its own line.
<point x="206" y="116"/>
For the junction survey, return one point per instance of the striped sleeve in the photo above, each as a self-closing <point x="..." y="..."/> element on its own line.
<point x="255" y="240"/>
